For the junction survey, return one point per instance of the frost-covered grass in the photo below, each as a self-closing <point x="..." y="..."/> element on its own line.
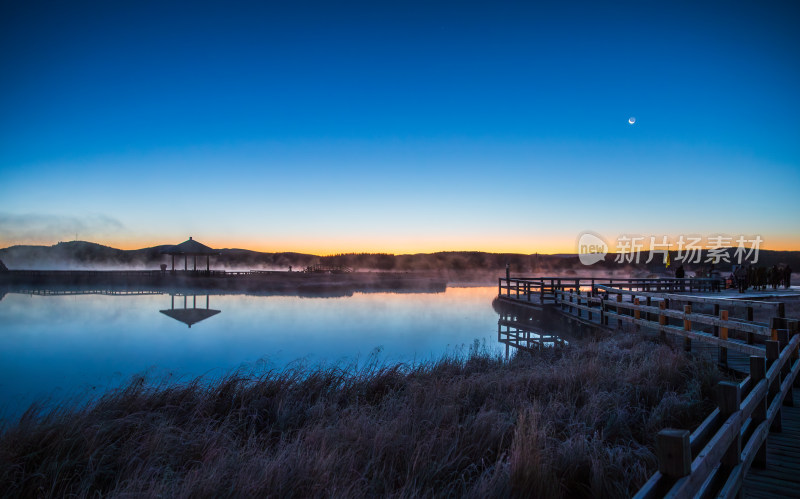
<point x="573" y="422"/>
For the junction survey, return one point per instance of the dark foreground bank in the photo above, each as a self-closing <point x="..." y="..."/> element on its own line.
<point x="575" y="422"/>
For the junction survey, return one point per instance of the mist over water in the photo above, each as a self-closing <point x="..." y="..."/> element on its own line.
<point x="77" y="346"/>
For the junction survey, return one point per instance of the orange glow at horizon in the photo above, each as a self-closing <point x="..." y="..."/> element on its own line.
<point x="544" y="245"/>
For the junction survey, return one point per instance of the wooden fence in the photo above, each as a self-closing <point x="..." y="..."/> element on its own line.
<point x="713" y="459"/>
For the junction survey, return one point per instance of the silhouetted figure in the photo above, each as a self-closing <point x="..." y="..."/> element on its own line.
<point x="787" y="276"/>
<point x="761" y="278"/>
<point x="775" y="277"/>
<point x="680" y="273"/>
<point x="741" y="274"/>
<point x="3" y="267"/>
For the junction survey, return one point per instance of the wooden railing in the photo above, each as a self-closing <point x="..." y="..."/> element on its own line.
<point x="333" y="269"/>
<point x="714" y="459"/>
<point x="543" y="286"/>
<point x="738" y="334"/>
<point x="71" y="292"/>
<point x="62" y="273"/>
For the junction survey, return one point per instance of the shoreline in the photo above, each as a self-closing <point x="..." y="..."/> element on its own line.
<point x="254" y="281"/>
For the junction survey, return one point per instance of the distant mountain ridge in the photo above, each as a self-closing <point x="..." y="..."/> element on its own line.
<point x="88" y="255"/>
<point x="84" y="255"/>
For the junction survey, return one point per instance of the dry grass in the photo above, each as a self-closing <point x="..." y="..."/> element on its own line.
<point x="578" y="422"/>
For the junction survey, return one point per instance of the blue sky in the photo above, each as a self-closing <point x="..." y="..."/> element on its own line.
<point x="417" y="126"/>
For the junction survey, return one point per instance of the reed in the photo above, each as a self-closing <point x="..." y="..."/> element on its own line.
<point x="572" y="422"/>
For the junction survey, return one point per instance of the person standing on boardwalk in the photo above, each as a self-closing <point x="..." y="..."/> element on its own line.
<point x="761" y="278"/>
<point x="741" y="278"/>
<point x="679" y="274"/>
<point x="787" y="276"/>
<point x="776" y="277"/>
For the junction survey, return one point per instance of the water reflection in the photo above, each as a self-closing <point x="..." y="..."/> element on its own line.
<point x="532" y="328"/>
<point x="188" y="315"/>
<point x="67" y="343"/>
<point x="525" y="332"/>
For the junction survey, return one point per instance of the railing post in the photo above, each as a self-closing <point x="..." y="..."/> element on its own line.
<point x="636" y="313"/>
<point x="794" y="329"/>
<point x="674" y="453"/>
<point x="716" y="314"/>
<point x="541" y="291"/>
<point x="589" y="304"/>
<point x="730" y="398"/>
<point x="604" y="317"/>
<point x="687" y="326"/>
<point x="617" y="310"/>
<point x="773" y="352"/>
<point x="783" y="342"/>
<point x="773" y="327"/>
<point x="723" y="335"/>
<point x="662" y="319"/>
<point x="758" y="370"/>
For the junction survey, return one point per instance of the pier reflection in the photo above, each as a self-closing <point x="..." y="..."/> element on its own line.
<point x="529" y="328"/>
<point x="189" y="315"/>
<point x="525" y="332"/>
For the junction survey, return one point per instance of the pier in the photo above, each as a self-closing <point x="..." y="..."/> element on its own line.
<point x="750" y="444"/>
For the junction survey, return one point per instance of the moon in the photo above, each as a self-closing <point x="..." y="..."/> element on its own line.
<point x="631" y="120"/>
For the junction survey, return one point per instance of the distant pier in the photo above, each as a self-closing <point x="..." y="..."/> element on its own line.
<point x="244" y="281"/>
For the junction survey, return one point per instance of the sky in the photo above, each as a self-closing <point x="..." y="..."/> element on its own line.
<point x="400" y="127"/>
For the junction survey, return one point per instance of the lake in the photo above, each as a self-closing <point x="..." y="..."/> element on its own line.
<point x="76" y="346"/>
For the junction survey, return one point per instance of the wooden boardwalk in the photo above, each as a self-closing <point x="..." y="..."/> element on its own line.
<point x="781" y="476"/>
<point x="749" y="445"/>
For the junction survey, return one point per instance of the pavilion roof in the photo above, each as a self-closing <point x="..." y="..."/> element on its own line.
<point x="190" y="316"/>
<point x="190" y="247"/>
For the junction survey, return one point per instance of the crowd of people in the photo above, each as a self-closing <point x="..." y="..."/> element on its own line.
<point x="760" y="278"/>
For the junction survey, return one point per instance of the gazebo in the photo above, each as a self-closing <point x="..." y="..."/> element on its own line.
<point x="191" y="248"/>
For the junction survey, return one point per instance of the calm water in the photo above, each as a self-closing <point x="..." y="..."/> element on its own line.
<point x="76" y="346"/>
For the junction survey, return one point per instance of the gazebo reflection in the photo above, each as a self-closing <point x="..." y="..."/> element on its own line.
<point x="189" y="315"/>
